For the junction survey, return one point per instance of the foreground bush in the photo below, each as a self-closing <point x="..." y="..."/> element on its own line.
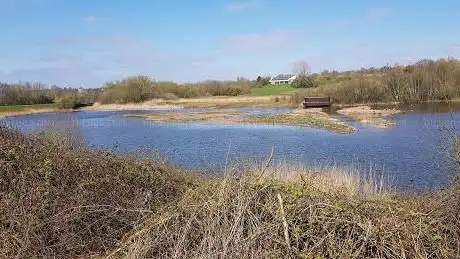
<point x="59" y="201"/>
<point x="64" y="201"/>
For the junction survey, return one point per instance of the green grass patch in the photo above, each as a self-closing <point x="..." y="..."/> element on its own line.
<point x="270" y="90"/>
<point x="17" y="108"/>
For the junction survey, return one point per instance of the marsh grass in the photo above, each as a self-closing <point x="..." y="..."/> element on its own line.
<point x="60" y="201"/>
<point x="306" y="119"/>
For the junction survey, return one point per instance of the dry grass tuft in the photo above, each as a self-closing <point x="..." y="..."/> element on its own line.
<point x="252" y="215"/>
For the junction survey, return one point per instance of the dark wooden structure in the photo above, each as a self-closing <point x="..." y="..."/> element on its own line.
<point x="311" y="102"/>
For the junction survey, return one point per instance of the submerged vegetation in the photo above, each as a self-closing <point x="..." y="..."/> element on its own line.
<point x="62" y="200"/>
<point x="304" y="118"/>
<point x="372" y="117"/>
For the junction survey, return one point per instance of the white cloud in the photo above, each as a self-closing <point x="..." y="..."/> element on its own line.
<point x="260" y="42"/>
<point x="91" y="61"/>
<point x="242" y="6"/>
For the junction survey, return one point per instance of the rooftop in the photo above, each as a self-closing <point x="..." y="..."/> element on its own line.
<point x="282" y="77"/>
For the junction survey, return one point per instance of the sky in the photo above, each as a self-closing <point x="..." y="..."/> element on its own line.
<point x="85" y="43"/>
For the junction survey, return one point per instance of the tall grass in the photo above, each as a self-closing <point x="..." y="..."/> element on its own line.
<point x="251" y="215"/>
<point x="423" y="81"/>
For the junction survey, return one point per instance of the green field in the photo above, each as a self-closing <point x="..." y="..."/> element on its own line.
<point x="17" y="108"/>
<point x="269" y="90"/>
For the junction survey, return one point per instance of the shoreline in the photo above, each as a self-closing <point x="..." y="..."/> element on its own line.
<point x="365" y="114"/>
<point x="5" y="115"/>
<point x="217" y="102"/>
<point x="371" y="117"/>
<point x="310" y="118"/>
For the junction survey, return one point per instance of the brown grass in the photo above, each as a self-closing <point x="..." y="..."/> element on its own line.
<point x="423" y="81"/>
<point x="302" y="118"/>
<point x="220" y="102"/>
<point x="372" y="117"/>
<point x="60" y="200"/>
<point x="240" y="216"/>
<point x="189" y="117"/>
<point x="29" y="112"/>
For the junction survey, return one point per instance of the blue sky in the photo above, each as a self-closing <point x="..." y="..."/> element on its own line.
<point x="88" y="42"/>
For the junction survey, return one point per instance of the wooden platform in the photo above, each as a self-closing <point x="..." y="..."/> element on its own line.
<point x="311" y="102"/>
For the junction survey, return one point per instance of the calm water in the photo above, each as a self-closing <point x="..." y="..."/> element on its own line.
<point x="413" y="155"/>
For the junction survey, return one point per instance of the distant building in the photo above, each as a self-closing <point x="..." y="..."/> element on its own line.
<point x="282" y="79"/>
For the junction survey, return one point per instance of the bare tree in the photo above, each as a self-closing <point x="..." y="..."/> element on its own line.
<point x="302" y="68"/>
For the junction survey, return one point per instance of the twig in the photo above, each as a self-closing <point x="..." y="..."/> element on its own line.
<point x="268" y="161"/>
<point x="283" y="218"/>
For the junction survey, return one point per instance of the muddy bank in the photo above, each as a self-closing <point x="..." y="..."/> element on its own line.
<point x="218" y="102"/>
<point x="311" y="118"/>
<point x="190" y="117"/>
<point x="372" y="117"/>
<point x="29" y="112"/>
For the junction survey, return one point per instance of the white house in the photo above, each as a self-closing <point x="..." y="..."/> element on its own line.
<point x="282" y="79"/>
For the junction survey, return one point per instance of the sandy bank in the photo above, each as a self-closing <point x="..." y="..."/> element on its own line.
<point x="29" y="112"/>
<point x="190" y="117"/>
<point x="203" y="102"/>
<point x="310" y="118"/>
<point x="369" y="116"/>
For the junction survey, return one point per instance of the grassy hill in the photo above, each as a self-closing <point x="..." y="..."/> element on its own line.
<point x="270" y="90"/>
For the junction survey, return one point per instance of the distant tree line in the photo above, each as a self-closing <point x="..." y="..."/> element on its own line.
<point x="143" y="88"/>
<point x="28" y="94"/>
<point x="422" y="81"/>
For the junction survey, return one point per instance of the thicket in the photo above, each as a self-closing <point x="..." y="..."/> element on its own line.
<point x="70" y="101"/>
<point x="24" y="94"/>
<point x="141" y="88"/>
<point x="29" y="94"/>
<point x="426" y="80"/>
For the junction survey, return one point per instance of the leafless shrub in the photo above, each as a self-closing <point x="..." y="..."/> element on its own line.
<point x="61" y="202"/>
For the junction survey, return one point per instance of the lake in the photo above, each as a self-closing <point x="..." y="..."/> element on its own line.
<point x="413" y="155"/>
